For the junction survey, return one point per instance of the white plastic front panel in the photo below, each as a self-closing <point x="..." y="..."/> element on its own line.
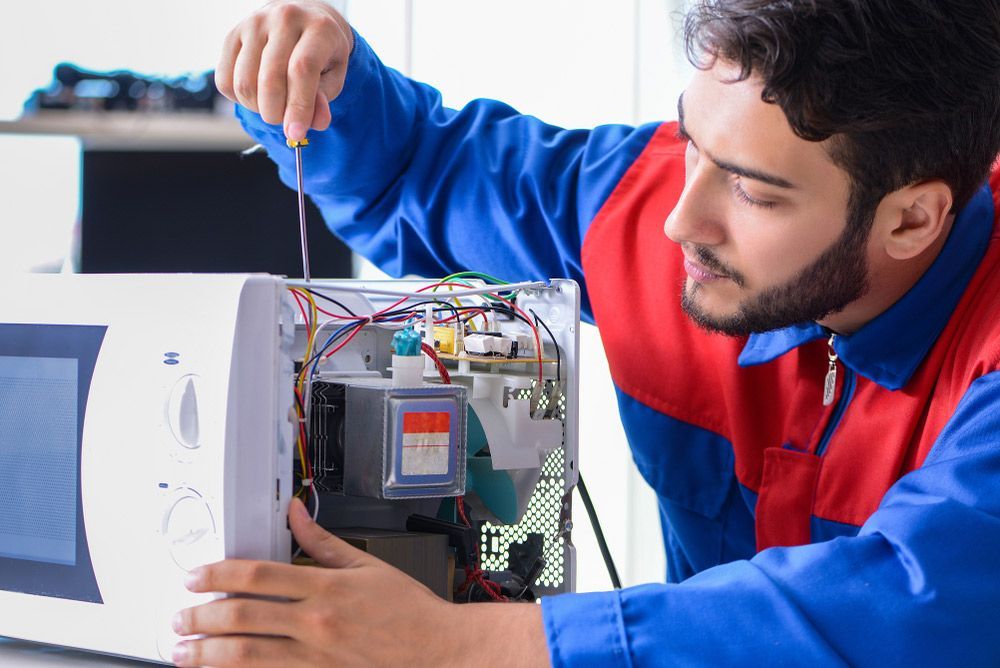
<point x="162" y="419"/>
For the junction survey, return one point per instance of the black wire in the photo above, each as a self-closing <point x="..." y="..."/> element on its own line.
<point x="505" y="310"/>
<point x="456" y="310"/>
<point x="381" y="317"/>
<point x="539" y="321"/>
<point x="345" y="332"/>
<point x="501" y="308"/>
<point x="601" y="542"/>
<point x="331" y="299"/>
<point x="462" y="309"/>
<point x="302" y="408"/>
<point x="412" y="308"/>
<point x="305" y="430"/>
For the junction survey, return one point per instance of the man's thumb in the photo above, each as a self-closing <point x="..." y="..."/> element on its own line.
<point x="317" y="542"/>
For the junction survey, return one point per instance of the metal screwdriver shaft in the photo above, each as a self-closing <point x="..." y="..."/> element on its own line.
<point x="297" y="144"/>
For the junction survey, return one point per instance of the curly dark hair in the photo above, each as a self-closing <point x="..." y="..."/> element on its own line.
<point x="909" y="90"/>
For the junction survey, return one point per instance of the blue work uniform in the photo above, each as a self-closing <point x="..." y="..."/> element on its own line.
<point x="864" y="532"/>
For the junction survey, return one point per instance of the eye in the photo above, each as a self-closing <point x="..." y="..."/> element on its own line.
<point x="744" y="197"/>
<point x="686" y="138"/>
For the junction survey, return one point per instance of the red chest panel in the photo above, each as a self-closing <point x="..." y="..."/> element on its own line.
<point x="660" y="358"/>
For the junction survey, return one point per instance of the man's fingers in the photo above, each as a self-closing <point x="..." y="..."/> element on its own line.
<point x="272" y="80"/>
<point x="262" y="578"/>
<point x="246" y="70"/>
<point x="287" y="61"/>
<point x="227" y="60"/>
<point x="321" y="114"/>
<point x="242" y="651"/>
<point x="321" y="545"/>
<point x="305" y="65"/>
<point x="230" y="616"/>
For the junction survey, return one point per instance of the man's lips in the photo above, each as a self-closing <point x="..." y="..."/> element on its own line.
<point x="700" y="273"/>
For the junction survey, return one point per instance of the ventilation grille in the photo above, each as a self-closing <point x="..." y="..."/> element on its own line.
<point x="544" y="516"/>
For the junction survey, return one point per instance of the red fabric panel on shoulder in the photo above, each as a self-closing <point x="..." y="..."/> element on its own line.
<point x="658" y="357"/>
<point x="656" y="353"/>
<point x="634" y="277"/>
<point x="786" y="498"/>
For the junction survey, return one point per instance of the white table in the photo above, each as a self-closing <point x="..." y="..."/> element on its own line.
<point x="22" y="654"/>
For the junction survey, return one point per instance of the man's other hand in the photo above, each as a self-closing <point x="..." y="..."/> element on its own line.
<point x="357" y="611"/>
<point x="286" y="61"/>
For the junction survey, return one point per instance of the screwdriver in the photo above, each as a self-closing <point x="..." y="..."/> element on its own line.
<point x="297" y="144"/>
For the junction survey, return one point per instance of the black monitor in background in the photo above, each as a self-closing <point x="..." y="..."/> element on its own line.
<point x="204" y="212"/>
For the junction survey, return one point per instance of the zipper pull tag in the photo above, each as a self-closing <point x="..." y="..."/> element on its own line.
<point x="830" y="384"/>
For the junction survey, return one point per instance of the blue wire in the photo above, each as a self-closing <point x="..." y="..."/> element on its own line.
<point x="333" y="337"/>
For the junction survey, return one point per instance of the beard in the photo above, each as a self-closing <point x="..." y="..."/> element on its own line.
<point x="840" y="276"/>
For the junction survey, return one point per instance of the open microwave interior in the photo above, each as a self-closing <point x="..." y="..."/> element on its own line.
<point x="153" y="423"/>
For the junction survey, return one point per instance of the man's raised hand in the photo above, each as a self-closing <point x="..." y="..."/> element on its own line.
<point x="287" y="61"/>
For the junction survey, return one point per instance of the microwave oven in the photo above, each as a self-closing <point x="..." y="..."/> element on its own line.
<point x="153" y="423"/>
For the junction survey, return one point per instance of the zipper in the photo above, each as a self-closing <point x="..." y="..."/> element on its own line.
<point x="830" y="391"/>
<point x="830" y="384"/>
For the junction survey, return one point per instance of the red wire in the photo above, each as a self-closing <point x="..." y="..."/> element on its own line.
<point x="357" y="328"/>
<point x="302" y="435"/>
<point x="441" y="368"/>
<point x="305" y="318"/>
<point x="423" y="289"/>
<point x="534" y="330"/>
<point x="375" y="315"/>
<point x="339" y="316"/>
<point x="475" y="573"/>
<point x="474" y="312"/>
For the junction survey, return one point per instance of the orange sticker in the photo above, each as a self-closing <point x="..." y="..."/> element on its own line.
<point x="426" y="423"/>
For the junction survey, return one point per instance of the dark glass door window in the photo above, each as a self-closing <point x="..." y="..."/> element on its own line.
<point x="45" y="375"/>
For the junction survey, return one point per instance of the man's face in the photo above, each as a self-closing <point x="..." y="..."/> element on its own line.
<point x="764" y="219"/>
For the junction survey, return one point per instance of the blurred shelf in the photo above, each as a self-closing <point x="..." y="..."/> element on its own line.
<point x="137" y="131"/>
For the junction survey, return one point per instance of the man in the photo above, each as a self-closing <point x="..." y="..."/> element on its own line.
<point x="818" y="410"/>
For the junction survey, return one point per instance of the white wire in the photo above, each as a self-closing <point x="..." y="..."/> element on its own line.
<point x="307" y="389"/>
<point x="333" y="322"/>
<point x="364" y="290"/>
<point x="315" y="514"/>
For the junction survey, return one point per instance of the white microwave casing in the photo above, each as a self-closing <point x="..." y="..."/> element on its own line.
<point x="185" y="450"/>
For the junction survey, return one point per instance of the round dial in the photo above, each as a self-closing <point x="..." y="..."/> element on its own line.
<point x="189" y="528"/>
<point x="182" y="412"/>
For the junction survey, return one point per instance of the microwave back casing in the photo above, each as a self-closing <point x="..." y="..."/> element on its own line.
<point x="147" y="430"/>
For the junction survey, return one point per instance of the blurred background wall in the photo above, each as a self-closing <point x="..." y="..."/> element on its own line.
<point x="575" y="63"/>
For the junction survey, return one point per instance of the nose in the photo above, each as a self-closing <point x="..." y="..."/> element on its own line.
<point x="698" y="216"/>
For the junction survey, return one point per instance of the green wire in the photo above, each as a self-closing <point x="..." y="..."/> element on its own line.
<point x="458" y="276"/>
<point x="475" y="274"/>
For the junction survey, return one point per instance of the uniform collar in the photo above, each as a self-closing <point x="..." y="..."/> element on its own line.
<point x="890" y="348"/>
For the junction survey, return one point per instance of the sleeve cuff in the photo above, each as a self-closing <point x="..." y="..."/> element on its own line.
<point x="586" y="630"/>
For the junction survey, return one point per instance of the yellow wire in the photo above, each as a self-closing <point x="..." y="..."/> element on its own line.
<point x="456" y="300"/>
<point x="313" y="315"/>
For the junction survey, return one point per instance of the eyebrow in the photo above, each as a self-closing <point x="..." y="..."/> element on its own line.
<point x="738" y="170"/>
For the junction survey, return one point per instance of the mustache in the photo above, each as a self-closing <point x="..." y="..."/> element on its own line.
<point x="710" y="261"/>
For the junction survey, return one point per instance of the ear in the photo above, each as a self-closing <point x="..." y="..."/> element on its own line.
<point x="916" y="217"/>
